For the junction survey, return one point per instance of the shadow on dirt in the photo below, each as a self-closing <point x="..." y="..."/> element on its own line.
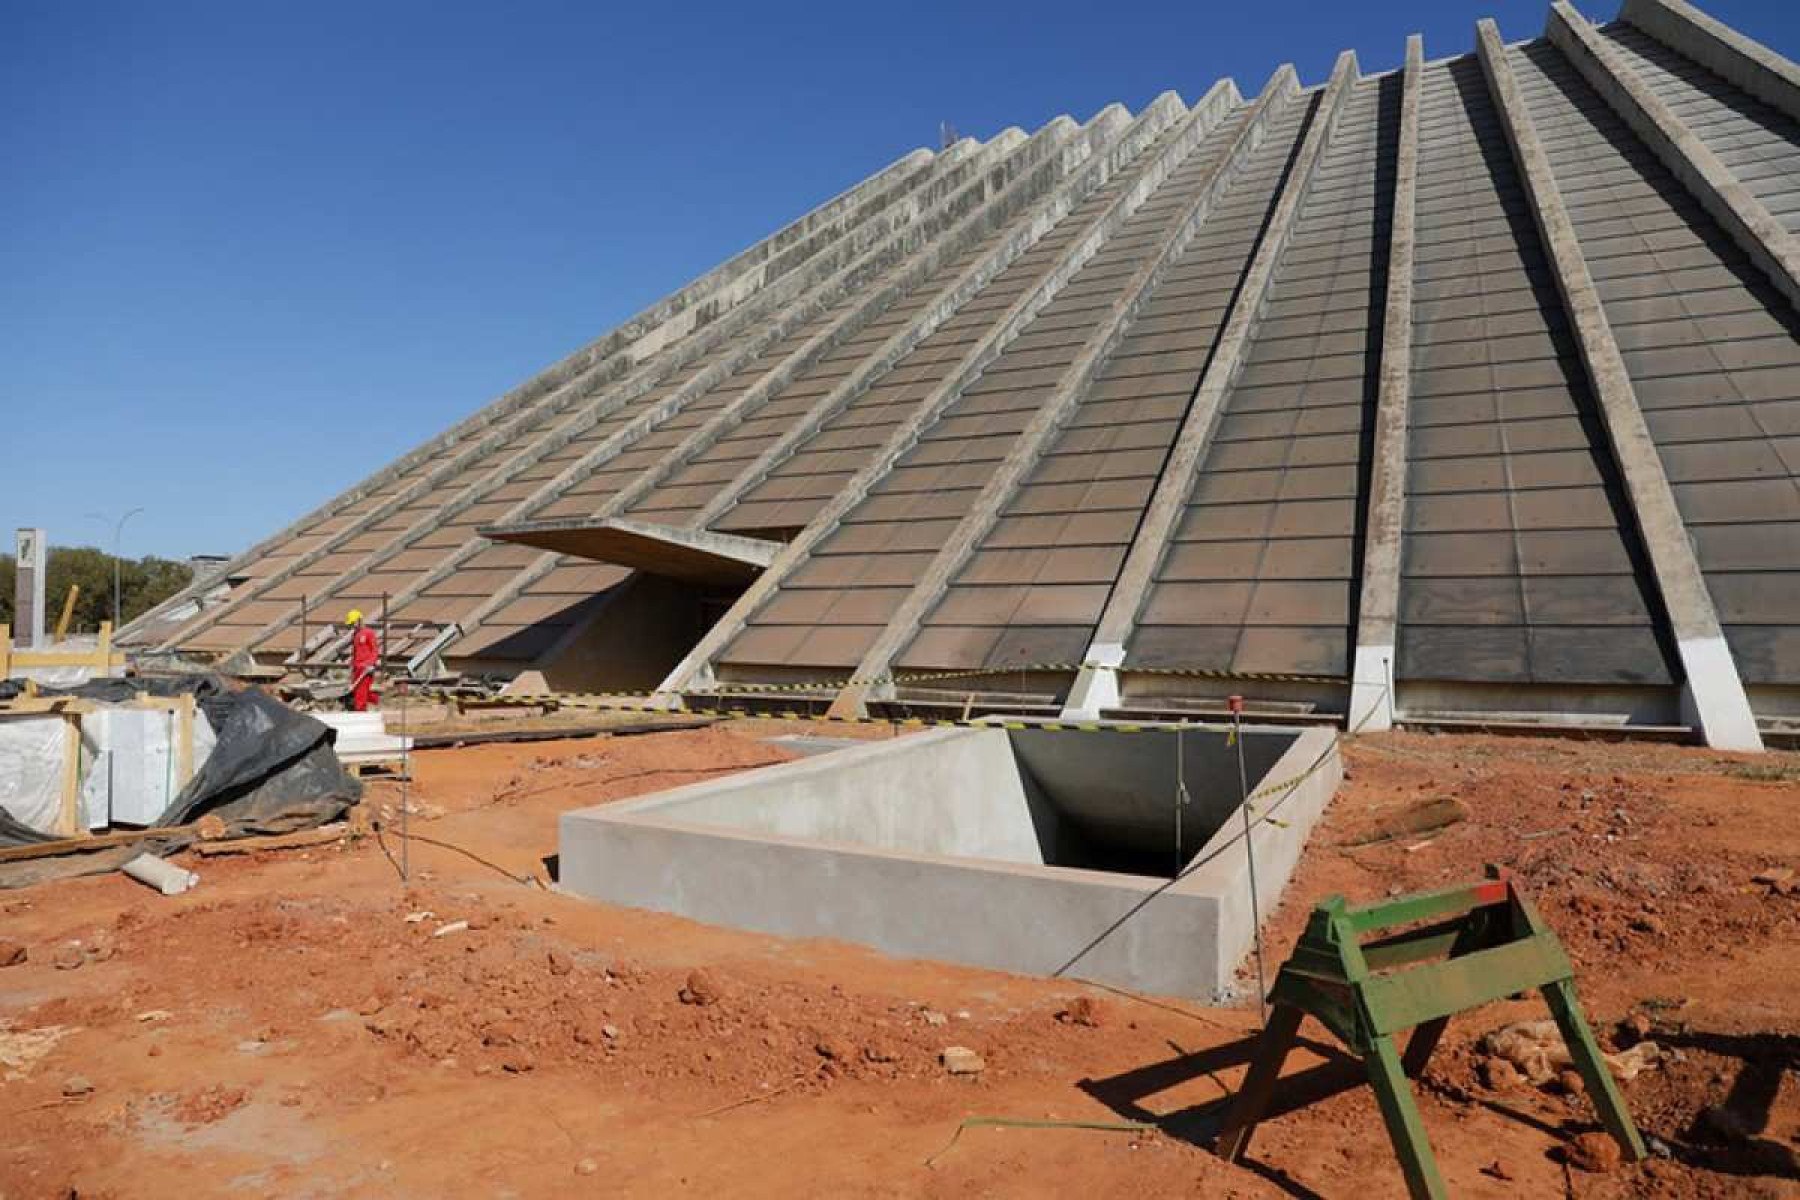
<point x="1199" y="1124"/>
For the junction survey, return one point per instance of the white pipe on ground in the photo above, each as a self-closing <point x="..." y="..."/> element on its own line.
<point x="165" y="877"/>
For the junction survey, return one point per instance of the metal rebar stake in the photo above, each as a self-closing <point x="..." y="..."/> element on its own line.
<point x="405" y="748"/>
<point x="1236" y="704"/>
<point x="405" y="786"/>
<point x="1181" y="795"/>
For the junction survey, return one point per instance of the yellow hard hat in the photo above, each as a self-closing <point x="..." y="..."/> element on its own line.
<point x="353" y="617"/>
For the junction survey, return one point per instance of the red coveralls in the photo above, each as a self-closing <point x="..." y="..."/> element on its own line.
<point x="365" y="650"/>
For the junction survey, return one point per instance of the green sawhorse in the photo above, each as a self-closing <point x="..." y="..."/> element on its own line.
<point x="1413" y="962"/>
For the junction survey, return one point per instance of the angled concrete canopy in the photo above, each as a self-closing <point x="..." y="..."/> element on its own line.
<point x="1466" y="390"/>
<point x="692" y="554"/>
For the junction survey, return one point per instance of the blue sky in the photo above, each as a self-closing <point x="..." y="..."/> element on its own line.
<point x="251" y="252"/>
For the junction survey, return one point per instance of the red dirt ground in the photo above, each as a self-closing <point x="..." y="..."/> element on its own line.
<point x="285" y="1030"/>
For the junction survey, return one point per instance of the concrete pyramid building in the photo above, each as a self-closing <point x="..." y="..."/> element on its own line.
<point x="1468" y="389"/>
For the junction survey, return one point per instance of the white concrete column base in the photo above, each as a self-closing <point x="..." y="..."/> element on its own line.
<point x="1713" y="699"/>
<point x="1371" y="690"/>
<point x="1097" y="685"/>
<point x="667" y="695"/>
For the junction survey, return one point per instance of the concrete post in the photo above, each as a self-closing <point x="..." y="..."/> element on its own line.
<point x="1720" y="49"/>
<point x="30" y="567"/>
<point x="1106" y="652"/>
<point x="695" y="669"/>
<point x="1372" y="699"/>
<point x="1054" y="409"/>
<point x="1713" y="697"/>
<point x="1774" y="250"/>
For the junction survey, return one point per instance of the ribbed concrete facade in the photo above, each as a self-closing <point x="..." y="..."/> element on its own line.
<point x="1468" y="388"/>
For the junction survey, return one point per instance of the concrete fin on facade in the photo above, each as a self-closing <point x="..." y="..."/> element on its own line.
<point x="1265" y="239"/>
<point x="1713" y="694"/>
<point x="1372" y="687"/>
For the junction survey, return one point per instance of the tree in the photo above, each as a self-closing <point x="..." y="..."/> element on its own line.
<point x="143" y="584"/>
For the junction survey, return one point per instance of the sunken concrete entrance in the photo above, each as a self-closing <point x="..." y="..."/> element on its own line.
<point x="1025" y="850"/>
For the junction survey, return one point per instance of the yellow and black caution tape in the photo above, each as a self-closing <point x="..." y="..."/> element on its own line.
<point x="727" y="689"/>
<point x="820" y="685"/>
<point x="574" y="700"/>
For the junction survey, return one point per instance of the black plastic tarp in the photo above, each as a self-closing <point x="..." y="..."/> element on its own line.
<point x="271" y="767"/>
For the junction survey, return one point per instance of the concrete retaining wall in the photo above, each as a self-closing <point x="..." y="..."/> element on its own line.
<point x="933" y="846"/>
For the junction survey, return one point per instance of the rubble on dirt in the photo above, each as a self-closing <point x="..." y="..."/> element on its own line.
<point x="22" y="1049"/>
<point x="1779" y="880"/>
<point x="1535" y="1049"/>
<point x="701" y="989"/>
<point x="1595" y="1152"/>
<point x="1083" y="1010"/>
<point x="960" y="1060"/>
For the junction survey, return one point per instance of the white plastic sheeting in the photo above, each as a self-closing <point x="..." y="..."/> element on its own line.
<point x="63" y="676"/>
<point x="129" y="773"/>
<point x="362" y="737"/>
<point x="31" y="769"/>
<point x="54" y="677"/>
<point x="128" y="765"/>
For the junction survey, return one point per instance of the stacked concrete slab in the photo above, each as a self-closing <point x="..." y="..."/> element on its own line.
<point x="1467" y="389"/>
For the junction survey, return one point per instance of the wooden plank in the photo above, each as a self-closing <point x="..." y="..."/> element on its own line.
<point x="62" y="622"/>
<point x="325" y="835"/>
<point x="1426" y="906"/>
<point x="184" y="741"/>
<point x="1421" y="994"/>
<point x="1406" y="1128"/>
<point x="35" y="706"/>
<point x="100" y="661"/>
<point x="68" y="817"/>
<point x="1259" y="1084"/>
<point x="80" y="845"/>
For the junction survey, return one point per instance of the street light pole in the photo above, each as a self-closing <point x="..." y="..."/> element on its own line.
<point x="118" y="533"/>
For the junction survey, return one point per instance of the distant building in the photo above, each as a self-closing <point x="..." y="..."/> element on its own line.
<point x="205" y="566"/>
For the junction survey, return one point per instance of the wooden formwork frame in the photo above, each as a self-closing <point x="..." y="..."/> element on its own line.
<point x="101" y="659"/>
<point x="71" y="709"/>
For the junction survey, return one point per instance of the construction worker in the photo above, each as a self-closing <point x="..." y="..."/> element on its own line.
<point x="365" y="652"/>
